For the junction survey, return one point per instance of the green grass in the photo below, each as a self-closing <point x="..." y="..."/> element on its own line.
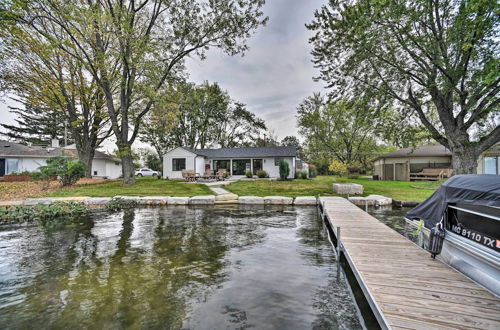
<point x="322" y="185"/>
<point x="143" y="187"/>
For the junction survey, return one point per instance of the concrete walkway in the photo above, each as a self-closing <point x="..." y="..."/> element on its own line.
<point x="219" y="190"/>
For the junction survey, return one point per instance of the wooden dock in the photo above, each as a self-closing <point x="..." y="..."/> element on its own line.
<point x="404" y="287"/>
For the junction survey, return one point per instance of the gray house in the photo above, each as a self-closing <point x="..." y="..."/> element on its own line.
<point x="235" y="160"/>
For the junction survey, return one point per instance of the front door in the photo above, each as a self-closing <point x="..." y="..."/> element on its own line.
<point x="2" y="166"/>
<point x="257" y="165"/>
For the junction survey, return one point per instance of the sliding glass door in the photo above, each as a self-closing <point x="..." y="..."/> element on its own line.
<point x="240" y="166"/>
<point x="257" y="165"/>
<point x="222" y="164"/>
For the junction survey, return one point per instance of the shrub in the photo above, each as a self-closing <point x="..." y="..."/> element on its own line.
<point x="67" y="170"/>
<point x="313" y="171"/>
<point x="284" y="169"/>
<point x="249" y="174"/>
<point x="302" y="175"/>
<point x="262" y="174"/>
<point x="117" y="204"/>
<point x="337" y="167"/>
<point x="45" y="214"/>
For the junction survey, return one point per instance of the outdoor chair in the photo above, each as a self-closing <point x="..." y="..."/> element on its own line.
<point x="189" y="175"/>
<point x="221" y="174"/>
<point x="209" y="174"/>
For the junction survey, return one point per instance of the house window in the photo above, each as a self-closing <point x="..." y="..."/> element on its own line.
<point x="492" y="165"/>
<point x="277" y="161"/>
<point x="11" y="165"/>
<point x="178" y="164"/>
<point x="95" y="172"/>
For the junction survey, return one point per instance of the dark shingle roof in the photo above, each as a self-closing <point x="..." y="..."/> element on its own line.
<point x="289" y="151"/>
<point x="12" y="149"/>
<point x="420" y="151"/>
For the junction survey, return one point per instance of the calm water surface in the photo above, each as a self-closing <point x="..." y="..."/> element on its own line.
<point x="395" y="218"/>
<point x="175" y="268"/>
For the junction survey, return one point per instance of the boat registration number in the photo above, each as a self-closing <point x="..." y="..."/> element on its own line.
<point x="475" y="236"/>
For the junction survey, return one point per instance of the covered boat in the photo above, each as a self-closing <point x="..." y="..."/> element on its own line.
<point x="463" y="222"/>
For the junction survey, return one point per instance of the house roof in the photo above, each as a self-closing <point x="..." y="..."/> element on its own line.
<point x="420" y="151"/>
<point x="288" y="151"/>
<point x="13" y="149"/>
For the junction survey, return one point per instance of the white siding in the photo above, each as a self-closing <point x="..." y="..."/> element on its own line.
<point x="113" y="171"/>
<point x="274" y="170"/>
<point x="99" y="168"/>
<point x="104" y="168"/>
<point x="200" y="164"/>
<point x="177" y="153"/>
<point x="31" y="164"/>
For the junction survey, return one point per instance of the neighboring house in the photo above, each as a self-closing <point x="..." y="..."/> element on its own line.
<point x="398" y="165"/>
<point x="17" y="158"/>
<point x="235" y="160"/>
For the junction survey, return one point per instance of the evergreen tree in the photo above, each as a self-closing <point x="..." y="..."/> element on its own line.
<point x="36" y="125"/>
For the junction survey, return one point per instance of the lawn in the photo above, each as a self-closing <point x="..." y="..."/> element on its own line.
<point x="322" y="185"/>
<point x="143" y="187"/>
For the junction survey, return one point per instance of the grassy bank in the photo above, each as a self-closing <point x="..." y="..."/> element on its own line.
<point x="322" y="185"/>
<point x="143" y="187"/>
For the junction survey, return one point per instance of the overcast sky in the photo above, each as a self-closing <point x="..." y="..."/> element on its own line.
<point x="273" y="77"/>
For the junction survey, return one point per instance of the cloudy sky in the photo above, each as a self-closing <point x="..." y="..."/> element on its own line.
<point x="273" y="76"/>
<point x="276" y="73"/>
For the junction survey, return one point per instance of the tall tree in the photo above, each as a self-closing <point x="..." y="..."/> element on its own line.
<point x="342" y="129"/>
<point x="239" y="127"/>
<point x="36" y="125"/>
<point x="200" y="116"/>
<point x="43" y="76"/>
<point x="292" y="140"/>
<point x="429" y="58"/>
<point x="133" y="49"/>
<point x="201" y="108"/>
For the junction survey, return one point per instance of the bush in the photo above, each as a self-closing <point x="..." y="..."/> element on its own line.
<point x="337" y="167"/>
<point x="45" y="214"/>
<point x="313" y="171"/>
<point x="67" y="171"/>
<point x="262" y="174"/>
<point x="284" y="169"/>
<point x="302" y="175"/>
<point x="249" y="174"/>
<point x="117" y="204"/>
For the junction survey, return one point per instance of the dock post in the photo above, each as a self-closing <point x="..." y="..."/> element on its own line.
<point x="338" y="244"/>
<point x="366" y="205"/>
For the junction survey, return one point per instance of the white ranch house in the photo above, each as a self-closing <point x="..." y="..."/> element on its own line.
<point x="17" y="158"/>
<point x="236" y="160"/>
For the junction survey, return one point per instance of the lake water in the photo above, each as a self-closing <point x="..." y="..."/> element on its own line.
<point x="394" y="217"/>
<point x="175" y="267"/>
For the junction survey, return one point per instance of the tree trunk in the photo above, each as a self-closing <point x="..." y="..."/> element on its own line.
<point x="87" y="160"/>
<point x="128" y="169"/>
<point x="464" y="159"/>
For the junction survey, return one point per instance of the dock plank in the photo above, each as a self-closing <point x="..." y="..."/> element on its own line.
<point x="408" y="288"/>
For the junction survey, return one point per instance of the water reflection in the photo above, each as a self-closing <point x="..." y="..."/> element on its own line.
<point x="174" y="268"/>
<point x="395" y="218"/>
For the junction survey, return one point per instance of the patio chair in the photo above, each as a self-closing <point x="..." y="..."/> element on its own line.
<point x="221" y="174"/>
<point x="189" y="175"/>
<point x="209" y="174"/>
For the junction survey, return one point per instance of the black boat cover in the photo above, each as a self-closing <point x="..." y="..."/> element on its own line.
<point x="475" y="189"/>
